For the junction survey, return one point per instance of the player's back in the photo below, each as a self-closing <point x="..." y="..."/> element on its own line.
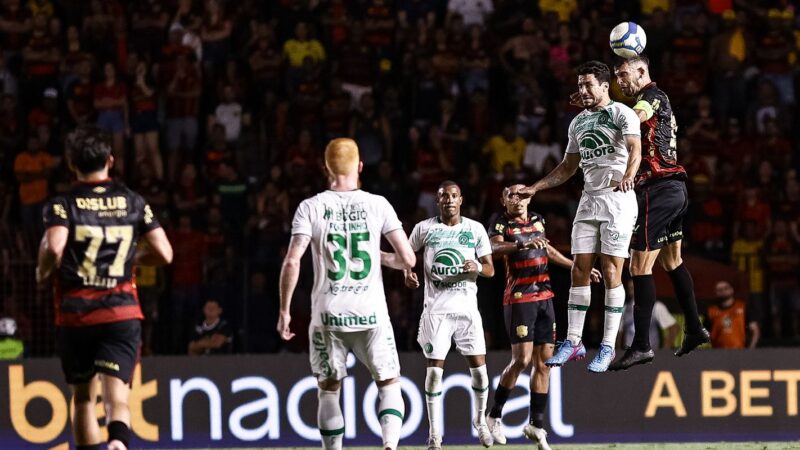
<point x="345" y="230"/>
<point x="95" y="279"/>
<point x="659" y="137"/>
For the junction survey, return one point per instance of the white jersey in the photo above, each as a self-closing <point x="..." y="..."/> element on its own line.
<point x="447" y="248"/>
<point x="599" y="137"/>
<point x="345" y="230"/>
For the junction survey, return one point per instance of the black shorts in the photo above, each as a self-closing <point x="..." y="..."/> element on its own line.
<point x="531" y="322"/>
<point x="109" y="348"/>
<point x="662" y="206"/>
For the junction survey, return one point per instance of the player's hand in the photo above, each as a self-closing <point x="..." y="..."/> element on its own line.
<point x="472" y="266"/>
<point x="627" y="184"/>
<point x="595" y="276"/>
<point x="283" y="326"/>
<point x="412" y="281"/>
<point x="538" y="243"/>
<point x="576" y="100"/>
<point x="526" y="192"/>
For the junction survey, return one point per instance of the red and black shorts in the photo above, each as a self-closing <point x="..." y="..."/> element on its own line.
<point x="662" y="206"/>
<point x="109" y="348"/>
<point x="531" y="322"/>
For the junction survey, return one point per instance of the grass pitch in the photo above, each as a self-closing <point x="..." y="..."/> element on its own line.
<point x="672" y="446"/>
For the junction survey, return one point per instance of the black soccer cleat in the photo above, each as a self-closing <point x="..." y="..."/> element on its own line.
<point x="632" y="358"/>
<point x="692" y="341"/>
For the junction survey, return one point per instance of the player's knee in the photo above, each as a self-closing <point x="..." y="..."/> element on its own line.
<point x="329" y="385"/>
<point x="640" y="265"/>
<point x="540" y="367"/>
<point x="520" y="363"/>
<point x="580" y="275"/>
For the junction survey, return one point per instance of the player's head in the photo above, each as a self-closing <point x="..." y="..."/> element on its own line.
<point x="633" y="74"/>
<point x="593" y="79"/>
<point x="89" y="150"/>
<point x="516" y="204"/>
<point x="449" y="199"/>
<point x="342" y="159"/>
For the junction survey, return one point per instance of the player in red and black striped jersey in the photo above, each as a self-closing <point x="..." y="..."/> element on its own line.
<point x="663" y="202"/>
<point x="89" y="248"/>
<point x="519" y="237"/>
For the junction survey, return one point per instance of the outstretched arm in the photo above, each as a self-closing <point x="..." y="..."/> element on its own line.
<point x="404" y="257"/>
<point x="290" y="271"/>
<point x="563" y="172"/>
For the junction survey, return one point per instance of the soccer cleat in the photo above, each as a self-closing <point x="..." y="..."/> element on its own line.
<point x="538" y="435"/>
<point x="632" y="358"/>
<point x="692" y="341"/>
<point x="602" y="360"/>
<point x="484" y="435"/>
<point x="496" y="428"/>
<point x="566" y="352"/>
<point x="435" y="443"/>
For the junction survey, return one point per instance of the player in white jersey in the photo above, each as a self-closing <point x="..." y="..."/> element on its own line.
<point x="456" y="251"/>
<point x="348" y="305"/>
<point x="604" y="141"/>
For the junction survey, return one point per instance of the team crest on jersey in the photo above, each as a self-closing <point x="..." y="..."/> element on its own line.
<point x="465" y="238"/>
<point x="99" y="190"/>
<point x="522" y="331"/>
<point x="499" y="227"/>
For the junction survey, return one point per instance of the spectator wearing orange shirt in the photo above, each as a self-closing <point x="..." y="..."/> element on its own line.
<point x="730" y="322"/>
<point x="32" y="168"/>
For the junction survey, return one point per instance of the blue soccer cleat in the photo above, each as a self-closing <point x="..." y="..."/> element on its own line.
<point x="566" y="352"/>
<point x="602" y="360"/>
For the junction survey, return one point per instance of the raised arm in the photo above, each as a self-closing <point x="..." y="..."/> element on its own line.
<point x="634" y="144"/>
<point x="563" y="172"/>
<point x="290" y="271"/>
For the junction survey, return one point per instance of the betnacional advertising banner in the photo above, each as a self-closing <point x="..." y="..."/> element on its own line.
<point x="270" y="401"/>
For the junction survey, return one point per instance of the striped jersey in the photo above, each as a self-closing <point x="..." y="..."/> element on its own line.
<point x="95" y="282"/>
<point x="599" y="138"/>
<point x="659" y="131"/>
<point x="345" y="230"/>
<point x="527" y="275"/>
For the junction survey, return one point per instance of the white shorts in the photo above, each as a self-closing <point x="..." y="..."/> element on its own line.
<point x="604" y="222"/>
<point x="374" y="347"/>
<point x="436" y="331"/>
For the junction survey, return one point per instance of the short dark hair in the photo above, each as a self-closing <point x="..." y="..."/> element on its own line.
<point x="596" y="68"/>
<point x="88" y="149"/>
<point x="636" y="59"/>
<point x="446" y="184"/>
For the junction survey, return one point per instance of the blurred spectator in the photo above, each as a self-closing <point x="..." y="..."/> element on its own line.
<point x="540" y="150"/>
<point x="229" y="114"/>
<point x="111" y="104"/>
<point x="746" y="256"/>
<point x="183" y="105"/>
<point x="215" y="33"/>
<point x="150" y="285"/>
<point x="187" y="278"/>
<point x="370" y="129"/>
<point x="212" y="336"/>
<point x="782" y="265"/>
<point x="32" y="168"/>
<point x="144" y="121"/>
<point x="773" y="58"/>
<point x="505" y="148"/>
<point x="472" y="12"/>
<point x="731" y="324"/>
<point x="80" y="98"/>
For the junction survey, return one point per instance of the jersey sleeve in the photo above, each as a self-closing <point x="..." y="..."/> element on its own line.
<point x="648" y="103"/>
<point x="149" y="221"/>
<point x="628" y="121"/>
<point x="417" y="238"/>
<point x="572" y="142"/>
<point x="55" y="213"/>
<point x="499" y="226"/>
<point x="301" y="223"/>
<point x="390" y="222"/>
<point x="482" y="245"/>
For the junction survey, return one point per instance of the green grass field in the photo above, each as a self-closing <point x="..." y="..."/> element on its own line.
<point x="673" y="446"/>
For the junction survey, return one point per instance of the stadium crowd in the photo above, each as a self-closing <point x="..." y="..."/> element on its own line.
<point x="219" y="112"/>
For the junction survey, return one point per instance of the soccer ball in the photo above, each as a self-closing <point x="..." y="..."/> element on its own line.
<point x="627" y="39"/>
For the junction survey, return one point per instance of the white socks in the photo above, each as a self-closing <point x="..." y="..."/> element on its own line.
<point x="579" y="299"/>
<point x="391" y="409"/>
<point x="330" y="419"/>
<point x="480" y="389"/>
<point x="433" y="397"/>
<point x="615" y="303"/>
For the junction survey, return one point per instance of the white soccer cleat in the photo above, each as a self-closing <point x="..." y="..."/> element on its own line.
<point x="435" y="443"/>
<point x="496" y="428"/>
<point x="484" y="435"/>
<point x="538" y="435"/>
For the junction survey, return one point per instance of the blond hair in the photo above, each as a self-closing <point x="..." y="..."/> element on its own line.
<point x="341" y="156"/>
